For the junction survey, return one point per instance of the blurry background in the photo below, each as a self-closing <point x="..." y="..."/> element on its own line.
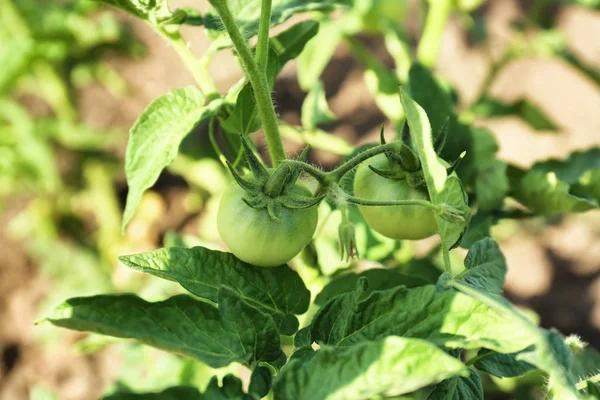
<point x="75" y="76"/>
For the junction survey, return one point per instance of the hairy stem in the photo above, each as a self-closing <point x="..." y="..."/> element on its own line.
<point x="431" y="40"/>
<point x="258" y="80"/>
<point x="583" y="383"/>
<point x="339" y="172"/>
<point x="262" y="47"/>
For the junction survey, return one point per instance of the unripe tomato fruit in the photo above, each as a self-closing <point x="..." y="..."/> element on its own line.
<point x="396" y="222"/>
<point x="254" y="237"/>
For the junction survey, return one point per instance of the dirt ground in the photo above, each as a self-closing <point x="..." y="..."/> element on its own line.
<point x="556" y="272"/>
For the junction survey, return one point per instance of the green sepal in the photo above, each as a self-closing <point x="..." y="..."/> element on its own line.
<point x="273" y="209"/>
<point x="244" y="184"/>
<point x="256" y="202"/>
<point x="297" y="201"/>
<point x="456" y="163"/>
<point x="440" y="139"/>
<point x="258" y="169"/>
<point x="389" y="174"/>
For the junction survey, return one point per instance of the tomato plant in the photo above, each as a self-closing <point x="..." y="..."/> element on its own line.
<point x="432" y="328"/>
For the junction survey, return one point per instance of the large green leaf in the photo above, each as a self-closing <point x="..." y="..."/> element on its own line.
<point x="485" y="267"/>
<point x="459" y="388"/>
<point x="549" y="352"/>
<point x="155" y="138"/>
<point x="378" y="279"/>
<point x="247" y="12"/>
<point x="442" y="189"/>
<point x="276" y="291"/>
<point x="388" y="367"/>
<point x="445" y="318"/>
<point x="233" y="332"/>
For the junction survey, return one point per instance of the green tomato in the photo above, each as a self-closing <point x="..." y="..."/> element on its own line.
<point x="396" y="222"/>
<point x="256" y="238"/>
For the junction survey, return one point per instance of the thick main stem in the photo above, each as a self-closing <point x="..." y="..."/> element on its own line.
<point x="262" y="47"/>
<point x="258" y="80"/>
<point x="431" y="40"/>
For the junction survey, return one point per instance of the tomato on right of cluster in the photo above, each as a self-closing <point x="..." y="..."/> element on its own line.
<point x="396" y="222"/>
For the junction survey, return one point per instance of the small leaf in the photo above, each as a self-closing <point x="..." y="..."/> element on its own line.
<point x="388" y="367"/>
<point x="315" y="110"/>
<point x="502" y="365"/>
<point x="317" y="53"/>
<point x="378" y="278"/>
<point x="444" y="318"/>
<point x="155" y="138"/>
<point x="479" y="228"/>
<point x="230" y="389"/>
<point x="485" y="267"/>
<point x="459" y="388"/>
<point x="290" y="43"/>
<point x="260" y="382"/>
<point x="235" y="332"/>
<point x="491" y="181"/>
<point x="276" y="291"/>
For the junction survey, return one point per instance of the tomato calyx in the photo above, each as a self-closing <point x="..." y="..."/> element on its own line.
<point x="272" y="190"/>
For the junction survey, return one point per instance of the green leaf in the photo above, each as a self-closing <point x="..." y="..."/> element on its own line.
<point x="153" y="11"/>
<point x="479" y="228"/>
<point x="155" y="138"/>
<point x="15" y="57"/>
<point x="388" y="367"/>
<point x="290" y="43"/>
<point x="459" y="388"/>
<point x="247" y="13"/>
<point x="277" y="291"/>
<point x="315" y="110"/>
<point x="549" y="354"/>
<point x="445" y="318"/>
<point x="378" y="278"/>
<point x="543" y="193"/>
<point x="243" y="119"/>
<point x="260" y="382"/>
<point x="442" y="189"/>
<point x="502" y="365"/>
<point x="233" y="332"/>
<point x="430" y="95"/>
<point x="491" y="181"/>
<point x="173" y="393"/>
<point x="230" y="389"/>
<point x="485" y="267"/>
<point x="522" y="108"/>
<point x="317" y="53"/>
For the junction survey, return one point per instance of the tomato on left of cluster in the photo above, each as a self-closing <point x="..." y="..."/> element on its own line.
<point x="255" y="237"/>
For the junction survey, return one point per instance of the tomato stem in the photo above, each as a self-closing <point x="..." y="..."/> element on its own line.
<point x="262" y="47"/>
<point x="339" y="172"/>
<point x="391" y="203"/>
<point x="258" y="80"/>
